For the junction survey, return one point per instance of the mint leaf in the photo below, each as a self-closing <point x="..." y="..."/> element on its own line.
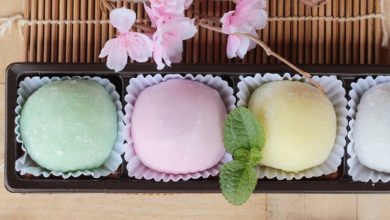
<point x="244" y="139"/>
<point x="237" y="180"/>
<point x="242" y="131"/>
<point x="250" y="156"/>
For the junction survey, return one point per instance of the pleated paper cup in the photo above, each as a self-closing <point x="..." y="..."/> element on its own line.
<point x="25" y="165"/>
<point x="135" y="167"/>
<point x="334" y="90"/>
<point x="358" y="171"/>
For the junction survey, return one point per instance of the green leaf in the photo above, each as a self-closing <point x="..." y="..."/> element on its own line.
<point x="237" y="181"/>
<point x="244" y="138"/>
<point x="250" y="156"/>
<point x="242" y="130"/>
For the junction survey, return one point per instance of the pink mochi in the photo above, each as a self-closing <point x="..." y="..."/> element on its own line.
<point x="177" y="127"/>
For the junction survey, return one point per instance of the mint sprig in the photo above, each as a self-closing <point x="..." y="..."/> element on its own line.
<point x="244" y="138"/>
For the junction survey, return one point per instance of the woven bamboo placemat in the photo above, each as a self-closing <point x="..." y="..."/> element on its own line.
<point x="340" y="32"/>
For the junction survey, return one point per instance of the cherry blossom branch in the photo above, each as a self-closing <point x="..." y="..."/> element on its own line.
<point x="267" y="49"/>
<point x="200" y="22"/>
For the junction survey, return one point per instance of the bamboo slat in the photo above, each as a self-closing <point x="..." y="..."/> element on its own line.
<point x="54" y="32"/>
<point x="40" y="36"/>
<point x="302" y="42"/>
<point x="76" y="32"/>
<point x="61" y="34"/>
<point x="26" y="29"/>
<point x="328" y="34"/>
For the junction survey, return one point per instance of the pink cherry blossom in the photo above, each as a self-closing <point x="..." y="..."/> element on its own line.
<point x="248" y="16"/>
<point x="166" y="9"/>
<point x="135" y="45"/>
<point x="168" y="40"/>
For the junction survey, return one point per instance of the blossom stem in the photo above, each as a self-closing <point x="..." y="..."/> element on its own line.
<point x="267" y="50"/>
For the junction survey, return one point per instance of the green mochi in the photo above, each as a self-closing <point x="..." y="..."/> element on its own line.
<point x="69" y="125"/>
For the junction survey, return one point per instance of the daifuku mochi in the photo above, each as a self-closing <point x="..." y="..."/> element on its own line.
<point x="177" y="127"/>
<point x="69" y="125"/>
<point x="299" y="123"/>
<point x="371" y="130"/>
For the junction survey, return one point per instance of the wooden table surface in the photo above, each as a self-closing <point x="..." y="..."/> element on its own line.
<point x="168" y="206"/>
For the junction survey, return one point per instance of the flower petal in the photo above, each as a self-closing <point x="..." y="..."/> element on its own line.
<point x="107" y="48"/>
<point x="174" y="49"/>
<point x="244" y="46"/>
<point x="157" y="56"/>
<point x="245" y="20"/>
<point x="181" y="27"/>
<point x="262" y="18"/>
<point x="186" y="28"/>
<point x="226" y="22"/>
<point x="139" y="46"/>
<point x="253" y="44"/>
<point x="122" y="19"/>
<point x="117" y="54"/>
<point x="166" y="58"/>
<point x="232" y="46"/>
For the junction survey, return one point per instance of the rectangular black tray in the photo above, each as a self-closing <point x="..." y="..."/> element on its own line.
<point x="119" y="181"/>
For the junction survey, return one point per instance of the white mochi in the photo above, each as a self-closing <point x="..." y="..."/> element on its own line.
<point x="371" y="132"/>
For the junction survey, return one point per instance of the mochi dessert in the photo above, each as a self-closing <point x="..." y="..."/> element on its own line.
<point x="371" y="129"/>
<point x="177" y="127"/>
<point x="299" y="124"/>
<point x="69" y="125"/>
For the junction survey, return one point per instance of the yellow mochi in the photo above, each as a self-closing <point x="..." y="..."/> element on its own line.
<point x="299" y="122"/>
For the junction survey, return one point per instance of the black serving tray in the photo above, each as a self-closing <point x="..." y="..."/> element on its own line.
<point x="119" y="181"/>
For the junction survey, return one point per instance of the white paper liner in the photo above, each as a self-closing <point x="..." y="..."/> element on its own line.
<point x="25" y="165"/>
<point x="358" y="171"/>
<point x="336" y="93"/>
<point x="135" y="167"/>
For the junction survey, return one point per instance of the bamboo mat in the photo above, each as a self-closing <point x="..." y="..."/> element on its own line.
<point x="309" y="40"/>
